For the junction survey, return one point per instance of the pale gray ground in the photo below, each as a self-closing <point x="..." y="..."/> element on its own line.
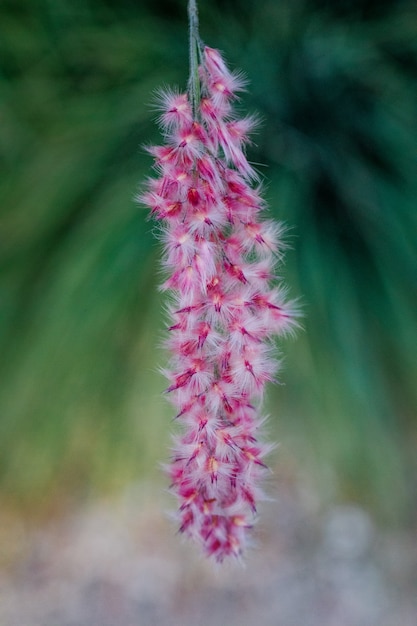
<point x="120" y="564"/>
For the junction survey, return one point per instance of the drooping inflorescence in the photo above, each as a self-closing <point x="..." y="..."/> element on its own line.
<point x="220" y="256"/>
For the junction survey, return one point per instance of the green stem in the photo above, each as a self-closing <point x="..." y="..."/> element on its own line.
<point x="194" y="80"/>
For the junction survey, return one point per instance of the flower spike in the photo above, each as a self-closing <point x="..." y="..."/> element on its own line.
<point x="220" y="257"/>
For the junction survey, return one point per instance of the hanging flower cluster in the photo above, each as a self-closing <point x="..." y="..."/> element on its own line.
<point x="220" y="257"/>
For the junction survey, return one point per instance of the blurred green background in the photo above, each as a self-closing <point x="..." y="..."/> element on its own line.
<point x="80" y="316"/>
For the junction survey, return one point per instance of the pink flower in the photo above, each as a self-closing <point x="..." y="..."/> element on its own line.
<point x="220" y="257"/>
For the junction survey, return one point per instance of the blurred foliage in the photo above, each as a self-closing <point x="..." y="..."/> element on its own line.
<point x="335" y="83"/>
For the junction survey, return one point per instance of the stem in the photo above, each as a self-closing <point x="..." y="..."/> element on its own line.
<point x="194" y="80"/>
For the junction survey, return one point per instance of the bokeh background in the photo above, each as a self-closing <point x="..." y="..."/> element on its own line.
<point x="335" y="83"/>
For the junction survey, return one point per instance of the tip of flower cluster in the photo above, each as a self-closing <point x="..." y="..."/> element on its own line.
<point x="217" y="67"/>
<point x="221" y="83"/>
<point x="214" y="60"/>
